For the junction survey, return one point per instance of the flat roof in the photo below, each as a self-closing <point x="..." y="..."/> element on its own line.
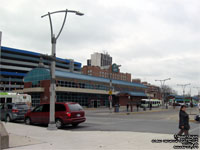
<point x="31" y="77"/>
<point x="93" y="78"/>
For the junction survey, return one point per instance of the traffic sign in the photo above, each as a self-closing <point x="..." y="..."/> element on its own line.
<point x="110" y="92"/>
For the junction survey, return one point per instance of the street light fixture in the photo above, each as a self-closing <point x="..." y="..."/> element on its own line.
<point x="162" y="82"/>
<point x="52" y="125"/>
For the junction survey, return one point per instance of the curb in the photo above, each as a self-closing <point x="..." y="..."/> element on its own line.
<point x="192" y="121"/>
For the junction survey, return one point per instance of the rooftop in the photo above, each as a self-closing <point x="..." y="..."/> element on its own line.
<point x="38" y="74"/>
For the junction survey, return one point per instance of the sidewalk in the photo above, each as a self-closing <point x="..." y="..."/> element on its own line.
<point x="23" y="137"/>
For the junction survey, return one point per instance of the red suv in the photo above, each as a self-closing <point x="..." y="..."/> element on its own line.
<point x="65" y="113"/>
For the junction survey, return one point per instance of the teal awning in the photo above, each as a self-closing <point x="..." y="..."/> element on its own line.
<point x="131" y="93"/>
<point x="36" y="75"/>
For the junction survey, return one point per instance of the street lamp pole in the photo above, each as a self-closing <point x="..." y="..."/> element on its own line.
<point x="198" y="89"/>
<point x="183" y="87"/>
<point x="162" y="82"/>
<point x="52" y="124"/>
<point x="116" y="69"/>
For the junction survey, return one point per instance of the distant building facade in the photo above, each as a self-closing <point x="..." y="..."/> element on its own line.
<point x="152" y="91"/>
<point x="105" y="73"/>
<point x="100" y="65"/>
<point x="100" y="59"/>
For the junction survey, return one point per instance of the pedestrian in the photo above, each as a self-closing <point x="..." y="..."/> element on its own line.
<point x="150" y="106"/>
<point x="199" y="107"/>
<point x="191" y="104"/>
<point x="138" y="106"/>
<point x="127" y="107"/>
<point x="183" y="121"/>
<point x="174" y="105"/>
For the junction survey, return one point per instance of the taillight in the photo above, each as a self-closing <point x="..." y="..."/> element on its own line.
<point x="15" y="110"/>
<point x="69" y="114"/>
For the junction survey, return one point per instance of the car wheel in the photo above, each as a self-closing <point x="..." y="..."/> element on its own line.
<point x="75" y="124"/>
<point x="59" y="123"/>
<point x="27" y="121"/>
<point x="8" y="119"/>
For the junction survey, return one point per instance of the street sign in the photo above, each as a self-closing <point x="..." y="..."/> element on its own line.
<point x="115" y="68"/>
<point x="110" y="92"/>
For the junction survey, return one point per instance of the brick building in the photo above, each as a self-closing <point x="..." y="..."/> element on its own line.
<point x="152" y="91"/>
<point x="106" y="73"/>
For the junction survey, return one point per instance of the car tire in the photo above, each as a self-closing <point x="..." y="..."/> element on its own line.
<point x="59" y="123"/>
<point x="75" y="124"/>
<point x="8" y="119"/>
<point x="27" y="121"/>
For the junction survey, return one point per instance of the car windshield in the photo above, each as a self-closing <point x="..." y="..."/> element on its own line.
<point x="21" y="106"/>
<point x="75" y="107"/>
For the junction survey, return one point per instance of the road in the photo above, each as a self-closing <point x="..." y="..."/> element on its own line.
<point x="153" y="122"/>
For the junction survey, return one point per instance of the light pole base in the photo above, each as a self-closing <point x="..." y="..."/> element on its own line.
<point x="4" y="137"/>
<point x="52" y="126"/>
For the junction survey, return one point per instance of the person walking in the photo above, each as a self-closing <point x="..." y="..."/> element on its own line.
<point x="199" y="107"/>
<point x="183" y="121"/>
<point x="138" y="106"/>
<point x="127" y="107"/>
<point x="150" y="105"/>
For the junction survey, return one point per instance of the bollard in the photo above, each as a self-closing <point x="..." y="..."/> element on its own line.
<point x="4" y="137"/>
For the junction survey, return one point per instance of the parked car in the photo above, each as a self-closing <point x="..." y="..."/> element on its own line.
<point x="65" y="113"/>
<point x="197" y="117"/>
<point x="13" y="111"/>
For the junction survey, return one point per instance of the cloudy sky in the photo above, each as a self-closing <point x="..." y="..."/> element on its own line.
<point x="151" y="39"/>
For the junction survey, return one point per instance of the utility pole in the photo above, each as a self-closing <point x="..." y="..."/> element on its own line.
<point x="198" y="89"/>
<point x="183" y="87"/>
<point x="162" y="82"/>
<point x="52" y="123"/>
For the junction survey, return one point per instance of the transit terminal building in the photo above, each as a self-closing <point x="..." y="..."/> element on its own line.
<point x="20" y="72"/>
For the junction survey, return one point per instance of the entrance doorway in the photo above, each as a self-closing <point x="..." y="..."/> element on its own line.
<point x="95" y="103"/>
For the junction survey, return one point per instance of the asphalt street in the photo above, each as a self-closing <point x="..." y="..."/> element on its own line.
<point x="155" y="121"/>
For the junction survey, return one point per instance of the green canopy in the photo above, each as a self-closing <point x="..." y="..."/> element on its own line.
<point x="36" y="75"/>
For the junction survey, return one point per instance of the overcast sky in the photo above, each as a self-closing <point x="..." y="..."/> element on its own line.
<point x="151" y="39"/>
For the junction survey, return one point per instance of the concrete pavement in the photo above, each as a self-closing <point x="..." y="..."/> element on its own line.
<point x="23" y="137"/>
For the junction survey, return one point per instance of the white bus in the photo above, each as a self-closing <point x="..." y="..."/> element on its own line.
<point x="15" y="98"/>
<point x="154" y="102"/>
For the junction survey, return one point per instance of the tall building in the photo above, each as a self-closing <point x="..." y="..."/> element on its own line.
<point x="100" y="65"/>
<point x="15" y="63"/>
<point x="100" y="59"/>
